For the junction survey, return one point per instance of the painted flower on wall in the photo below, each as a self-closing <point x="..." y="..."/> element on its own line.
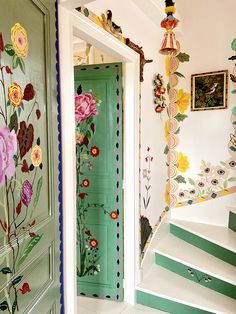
<point x="79" y="138"/>
<point x="26" y="193"/>
<point x="182" y="163"/>
<point x="114" y="215"/>
<point x="36" y="156"/>
<point x="84" y="107"/>
<point x="8" y="147"/>
<point x="183" y="101"/>
<point x="93" y="243"/>
<point x="212" y="179"/>
<point x="94" y="151"/>
<point x="19" y="40"/>
<point x="15" y="95"/>
<point x="231" y="164"/>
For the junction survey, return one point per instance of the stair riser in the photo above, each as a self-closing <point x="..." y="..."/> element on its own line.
<point x="232" y="221"/>
<point x="205" y="245"/>
<point x="199" y="277"/>
<point x="166" y="305"/>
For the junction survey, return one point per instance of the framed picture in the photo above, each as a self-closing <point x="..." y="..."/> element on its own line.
<point x="209" y="90"/>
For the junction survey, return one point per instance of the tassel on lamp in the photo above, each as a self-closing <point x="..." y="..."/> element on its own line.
<point x="169" y="44"/>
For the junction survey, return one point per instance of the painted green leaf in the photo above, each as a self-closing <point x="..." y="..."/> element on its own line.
<point x="233" y="91"/>
<point x="179" y="74"/>
<point x="225" y="185"/>
<point x="213" y="195"/>
<point x="232" y="179"/>
<point x="180" y="179"/>
<point x="9" y="50"/>
<point x="29" y="248"/>
<point x="21" y="63"/>
<point x="183" y="57"/>
<point x="200" y="175"/>
<point x="180" y="117"/>
<point x="6" y="270"/>
<point x="16" y="280"/>
<point x="177" y="131"/>
<point x="191" y="181"/>
<point x="13" y="122"/>
<point x="233" y="44"/>
<point x="88" y="134"/>
<point x="14" y="62"/>
<point x="222" y="163"/>
<point x="234" y="123"/>
<point x="14" y="306"/>
<point x="38" y="190"/>
<point x="233" y="148"/>
<point x="234" y="110"/>
<point x="8" y="103"/>
<point x="79" y="90"/>
<point x="166" y="151"/>
<point x="3" y="306"/>
<point x="190" y="202"/>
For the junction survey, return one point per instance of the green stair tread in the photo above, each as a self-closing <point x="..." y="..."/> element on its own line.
<point x="182" y="270"/>
<point x="232" y="221"/>
<point x="204" y="244"/>
<point x="166" y="305"/>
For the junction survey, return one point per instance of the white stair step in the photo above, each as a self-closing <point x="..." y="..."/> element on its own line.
<point x="221" y="236"/>
<point x="165" y="284"/>
<point x="185" y="253"/>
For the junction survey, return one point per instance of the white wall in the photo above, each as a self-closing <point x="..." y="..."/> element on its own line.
<point x="208" y="30"/>
<point x="137" y="26"/>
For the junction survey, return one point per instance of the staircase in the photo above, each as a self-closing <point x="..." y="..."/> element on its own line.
<point x="193" y="269"/>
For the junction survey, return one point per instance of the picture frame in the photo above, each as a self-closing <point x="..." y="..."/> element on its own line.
<point x="209" y="91"/>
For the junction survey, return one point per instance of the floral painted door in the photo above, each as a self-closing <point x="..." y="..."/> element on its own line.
<point x="29" y="187"/>
<point x="98" y="114"/>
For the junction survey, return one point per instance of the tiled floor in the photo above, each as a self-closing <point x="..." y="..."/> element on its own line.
<point x="94" y="306"/>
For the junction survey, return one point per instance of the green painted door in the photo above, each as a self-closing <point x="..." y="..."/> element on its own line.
<point x="29" y="227"/>
<point x="98" y="114"/>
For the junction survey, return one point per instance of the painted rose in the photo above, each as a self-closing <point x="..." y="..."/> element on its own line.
<point x="15" y="95"/>
<point x="36" y="155"/>
<point x="26" y="193"/>
<point x="19" y="40"/>
<point x="84" y="107"/>
<point x="8" y="146"/>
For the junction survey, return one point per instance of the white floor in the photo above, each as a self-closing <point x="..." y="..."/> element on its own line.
<point x="94" y="306"/>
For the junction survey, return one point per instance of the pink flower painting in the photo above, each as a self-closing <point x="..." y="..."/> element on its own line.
<point x="84" y="107"/>
<point x="8" y="146"/>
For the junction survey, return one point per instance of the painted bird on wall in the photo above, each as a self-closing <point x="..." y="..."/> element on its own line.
<point x="212" y="89"/>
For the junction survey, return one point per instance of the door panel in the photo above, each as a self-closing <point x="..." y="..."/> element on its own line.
<point x="29" y="225"/>
<point x="99" y="181"/>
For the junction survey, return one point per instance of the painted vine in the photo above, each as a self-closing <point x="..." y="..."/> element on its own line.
<point x="20" y="164"/>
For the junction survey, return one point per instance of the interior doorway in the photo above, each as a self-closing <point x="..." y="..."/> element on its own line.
<point x="73" y="24"/>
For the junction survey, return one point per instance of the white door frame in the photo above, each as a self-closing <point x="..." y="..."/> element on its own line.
<point x="73" y="23"/>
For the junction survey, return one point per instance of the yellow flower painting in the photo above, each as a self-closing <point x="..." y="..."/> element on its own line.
<point x="19" y="40"/>
<point x="183" y="101"/>
<point x="182" y="163"/>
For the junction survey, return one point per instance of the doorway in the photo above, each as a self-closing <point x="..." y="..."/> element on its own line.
<point x="73" y="24"/>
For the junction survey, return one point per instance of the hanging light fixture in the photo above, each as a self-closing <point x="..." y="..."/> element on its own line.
<point x="169" y="44"/>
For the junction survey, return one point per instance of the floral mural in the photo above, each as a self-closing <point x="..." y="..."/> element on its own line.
<point x="21" y="160"/>
<point x="86" y="108"/>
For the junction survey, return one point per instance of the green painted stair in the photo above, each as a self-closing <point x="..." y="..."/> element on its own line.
<point x="169" y="292"/>
<point x="215" y="240"/>
<point x="193" y="270"/>
<point x="232" y="218"/>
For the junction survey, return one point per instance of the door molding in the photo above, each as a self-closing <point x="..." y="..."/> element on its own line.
<point x="73" y="23"/>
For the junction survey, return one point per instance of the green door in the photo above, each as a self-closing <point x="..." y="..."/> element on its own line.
<point x="29" y="206"/>
<point x="98" y="114"/>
